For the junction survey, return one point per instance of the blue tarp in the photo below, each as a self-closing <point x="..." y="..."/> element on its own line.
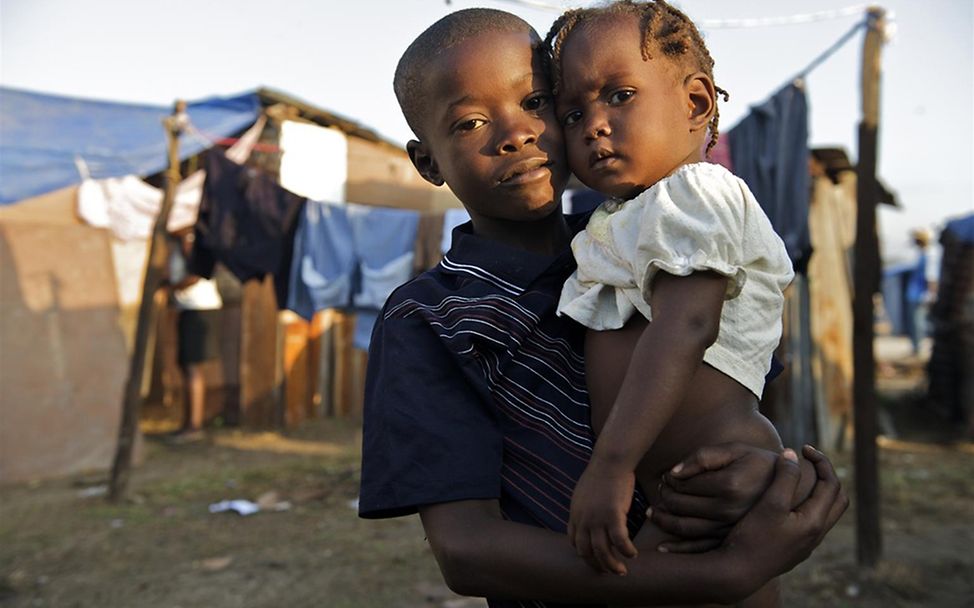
<point x="44" y="138"/>
<point x="961" y="229"/>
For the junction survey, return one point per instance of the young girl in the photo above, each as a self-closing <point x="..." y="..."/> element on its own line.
<point x="681" y="242"/>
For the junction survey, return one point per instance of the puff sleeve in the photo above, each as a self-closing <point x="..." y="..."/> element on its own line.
<point x="692" y="221"/>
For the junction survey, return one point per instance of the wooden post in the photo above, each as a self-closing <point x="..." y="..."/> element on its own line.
<point x="343" y="370"/>
<point x="869" y="542"/>
<point x="296" y="354"/>
<point x="326" y="362"/>
<point x="158" y="250"/>
<point x="261" y="396"/>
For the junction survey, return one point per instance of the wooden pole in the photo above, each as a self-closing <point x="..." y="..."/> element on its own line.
<point x="868" y="537"/>
<point x="158" y="249"/>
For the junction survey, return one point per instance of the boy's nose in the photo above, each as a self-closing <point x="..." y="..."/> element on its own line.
<point x="516" y="135"/>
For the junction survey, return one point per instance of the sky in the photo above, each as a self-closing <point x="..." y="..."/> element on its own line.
<point x="341" y="56"/>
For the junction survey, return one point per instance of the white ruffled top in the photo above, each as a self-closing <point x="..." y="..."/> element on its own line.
<point x="701" y="217"/>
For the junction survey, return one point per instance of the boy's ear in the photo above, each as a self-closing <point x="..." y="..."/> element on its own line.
<point x="424" y="162"/>
<point x="701" y="100"/>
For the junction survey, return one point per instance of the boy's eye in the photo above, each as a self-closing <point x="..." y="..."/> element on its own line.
<point x="469" y="124"/>
<point x="571" y="118"/>
<point x="621" y="96"/>
<point x="537" y="102"/>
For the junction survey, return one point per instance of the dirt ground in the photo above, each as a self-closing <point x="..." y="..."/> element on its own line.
<point x="62" y="544"/>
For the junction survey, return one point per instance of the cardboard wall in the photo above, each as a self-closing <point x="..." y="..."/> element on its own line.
<point x="381" y="175"/>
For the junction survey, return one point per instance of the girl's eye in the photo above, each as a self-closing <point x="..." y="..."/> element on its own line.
<point x="621" y="96"/>
<point x="470" y="125"/>
<point x="571" y="118"/>
<point x="537" y="102"/>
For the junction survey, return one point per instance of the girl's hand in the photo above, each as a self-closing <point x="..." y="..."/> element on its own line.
<point x="597" y="524"/>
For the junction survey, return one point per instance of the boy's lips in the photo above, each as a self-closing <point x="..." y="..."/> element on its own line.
<point x="525" y="171"/>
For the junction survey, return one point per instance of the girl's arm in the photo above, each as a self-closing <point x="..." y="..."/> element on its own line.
<point x="686" y="318"/>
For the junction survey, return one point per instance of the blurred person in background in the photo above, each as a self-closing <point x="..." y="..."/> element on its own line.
<point x="920" y="291"/>
<point x="199" y="304"/>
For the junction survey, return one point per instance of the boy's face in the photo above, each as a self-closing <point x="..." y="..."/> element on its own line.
<point x="628" y="123"/>
<point x="490" y="131"/>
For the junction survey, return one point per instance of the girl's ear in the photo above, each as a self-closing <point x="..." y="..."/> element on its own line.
<point x="424" y="162"/>
<point x="701" y="98"/>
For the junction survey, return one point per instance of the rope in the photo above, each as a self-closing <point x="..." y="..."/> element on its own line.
<point x="831" y="50"/>
<point x="856" y="9"/>
<point x="549" y="6"/>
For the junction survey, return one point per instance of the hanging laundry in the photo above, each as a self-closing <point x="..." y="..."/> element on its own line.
<point x="314" y="161"/>
<point x="247" y="222"/>
<point x="351" y="256"/>
<point x="384" y="243"/>
<point x="451" y="219"/>
<point x="323" y="260"/>
<point x="769" y="151"/>
<point x="128" y="206"/>
<point x="384" y="239"/>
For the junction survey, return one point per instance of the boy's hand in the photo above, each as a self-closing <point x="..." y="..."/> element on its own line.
<point x="597" y="525"/>
<point x="773" y="538"/>
<point x="703" y="496"/>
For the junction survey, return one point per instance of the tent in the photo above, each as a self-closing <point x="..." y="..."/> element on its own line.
<point x="64" y="361"/>
<point x="62" y="307"/>
<point x="48" y="142"/>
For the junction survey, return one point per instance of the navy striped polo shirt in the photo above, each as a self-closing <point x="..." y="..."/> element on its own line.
<point x="476" y="389"/>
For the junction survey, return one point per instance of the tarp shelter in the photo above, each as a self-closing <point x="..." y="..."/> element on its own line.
<point x="62" y="409"/>
<point x="48" y="142"/>
<point x="63" y="361"/>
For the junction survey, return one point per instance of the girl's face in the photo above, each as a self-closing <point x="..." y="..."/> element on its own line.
<point x="628" y="122"/>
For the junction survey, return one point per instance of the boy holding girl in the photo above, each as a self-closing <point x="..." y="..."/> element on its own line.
<point x="477" y="412"/>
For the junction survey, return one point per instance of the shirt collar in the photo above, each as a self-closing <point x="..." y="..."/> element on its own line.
<point x="512" y="266"/>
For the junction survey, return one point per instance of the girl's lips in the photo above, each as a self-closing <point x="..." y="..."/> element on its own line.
<point x="604" y="162"/>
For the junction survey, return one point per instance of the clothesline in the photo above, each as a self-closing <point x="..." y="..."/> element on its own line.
<point x="824" y="55"/>
<point x="264" y="147"/>
<point x="856" y="9"/>
<point x="744" y="23"/>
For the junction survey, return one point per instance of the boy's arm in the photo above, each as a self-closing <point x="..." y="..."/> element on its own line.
<point x="482" y="554"/>
<point x="686" y="318"/>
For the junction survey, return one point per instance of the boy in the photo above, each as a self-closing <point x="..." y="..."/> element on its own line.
<point x="476" y="411"/>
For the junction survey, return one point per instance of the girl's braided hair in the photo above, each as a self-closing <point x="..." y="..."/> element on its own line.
<point x="664" y="28"/>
